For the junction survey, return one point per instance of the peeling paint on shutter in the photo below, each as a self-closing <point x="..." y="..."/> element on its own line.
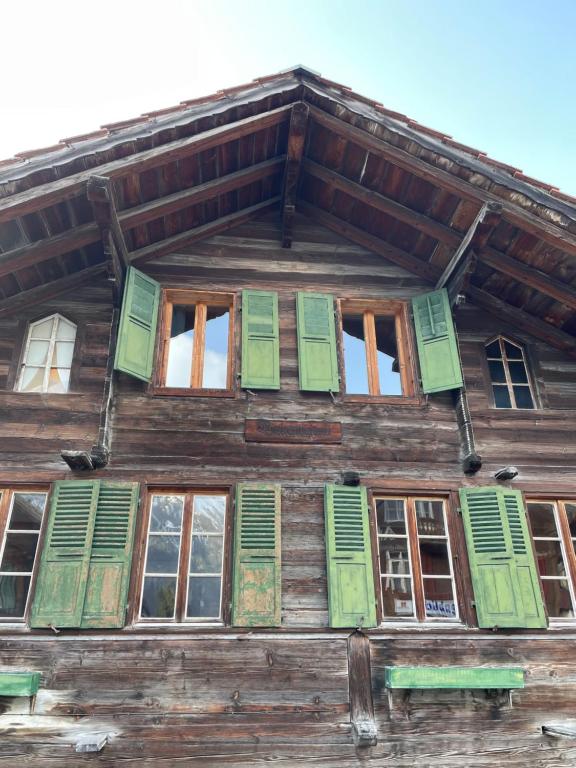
<point x="317" y="356"/>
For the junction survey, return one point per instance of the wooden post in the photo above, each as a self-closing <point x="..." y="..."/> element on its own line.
<point x="360" y="690"/>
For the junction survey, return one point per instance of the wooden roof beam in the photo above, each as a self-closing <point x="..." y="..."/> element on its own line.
<point x="384" y="204"/>
<point x="529" y="222"/>
<point x="100" y="193"/>
<point x="549" y="286"/>
<point x="475" y="239"/>
<point x="63" y="189"/>
<point x="296" y="141"/>
<point x="525" y="322"/>
<point x="459" y="281"/>
<point x="155" y="250"/>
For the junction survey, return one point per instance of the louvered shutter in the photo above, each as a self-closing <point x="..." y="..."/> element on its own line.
<point x="256" y="594"/>
<point x="504" y="577"/>
<point x="61" y="584"/>
<point x="138" y="321"/>
<point x="260" y="340"/>
<point x="317" y="357"/>
<point x="351" y="593"/>
<point x="111" y="556"/>
<point x="436" y="340"/>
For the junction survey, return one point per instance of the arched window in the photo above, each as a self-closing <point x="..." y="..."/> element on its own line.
<point x="509" y="375"/>
<point x="48" y="355"/>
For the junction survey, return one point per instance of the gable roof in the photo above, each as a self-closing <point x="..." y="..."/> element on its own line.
<point x="290" y="141"/>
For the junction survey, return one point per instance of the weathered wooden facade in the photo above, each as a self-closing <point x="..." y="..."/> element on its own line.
<point x="349" y="559"/>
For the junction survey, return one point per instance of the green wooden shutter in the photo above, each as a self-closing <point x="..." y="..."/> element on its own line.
<point x="61" y="584"/>
<point x="260" y="340"/>
<point x="504" y="576"/>
<point x="138" y="321"/>
<point x="351" y="593"/>
<point x="436" y="340"/>
<point x="256" y="595"/>
<point x="111" y="556"/>
<point x="317" y="358"/>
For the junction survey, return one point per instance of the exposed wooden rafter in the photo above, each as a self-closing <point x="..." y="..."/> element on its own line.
<point x="296" y="141"/>
<point x="55" y="191"/>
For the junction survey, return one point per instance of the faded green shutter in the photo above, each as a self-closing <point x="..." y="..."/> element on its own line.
<point x="260" y="341"/>
<point x="111" y="557"/>
<point x="504" y="576"/>
<point x="257" y="578"/>
<point x="317" y="358"/>
<point x="351" y="593"/>
<point x="436" y="340"/>
<point x="138" y="321"/>
<point x="61" y="585"/>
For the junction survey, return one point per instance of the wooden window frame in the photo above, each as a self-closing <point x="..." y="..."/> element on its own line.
<point x="501" y="338"/>
<point x="140" y="550"/>
<point x="566" y="547"/>
<point x="7" y="492"/>
<point x="23" y="345"/>
<point x="370" y="308"/>
<point x="459" y="589"/>
<point x="201" y="300"/>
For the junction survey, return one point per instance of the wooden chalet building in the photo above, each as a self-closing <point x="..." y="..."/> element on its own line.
<point x="287" y="466"/>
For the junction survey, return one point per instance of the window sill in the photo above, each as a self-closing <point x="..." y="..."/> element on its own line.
<point x="185" y="392"/>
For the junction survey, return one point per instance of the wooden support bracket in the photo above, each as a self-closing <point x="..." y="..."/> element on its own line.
<point x="296" y="141"/>
<point x="360" y="691"/>
<point x="100" y="193"/>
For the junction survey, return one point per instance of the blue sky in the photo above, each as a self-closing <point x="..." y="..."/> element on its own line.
<point x="496" y="75"/>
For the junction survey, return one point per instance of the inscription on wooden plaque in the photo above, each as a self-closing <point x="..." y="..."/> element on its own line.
<point x="269" y="431"/>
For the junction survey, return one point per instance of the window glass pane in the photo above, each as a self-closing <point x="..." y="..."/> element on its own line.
<point x="32" y="379"/>
<point x="523" y="397"/>
<point x="390" y="516"/>
<point x="397" y="597"/>
<point x="166" y="513"/>
<point x="571" y="514"/>
<point x="394" y="556"/>
<point x="501" y="397"/>
<point x="497" y="373"/>
<point x="13" y="596"/>
<point x="438" y="599"/>
<point x="179" y="367"/>
<point x="215" y="373"/>
<point x="158" y="597"/>
<point x="209" y="513"/>
<point x="27" y="510"/>
<point x="355" y="366"/>
<point x="204" y="597"/>
<point x="549" y="558"/>
<point x="518" y="373"/>
<point x="58" y="379"/>
<point x="557" y="598"/>
<point x="37" y="352"/>
<point x="434" y="557"/>
<point x="63" y="353"/>
<point x="65" y="331"/>
<point x="513" y="351"/>
<point x="430" y="517"/>
<point x="19" y="552"/>
<point x="493" y="349"/>
<point x="163" y="554"/>
<point x="206" y="554"/>
<point x="542" y="519"/>
<point x="42" y="330"/>
<point x="387" y="355"/>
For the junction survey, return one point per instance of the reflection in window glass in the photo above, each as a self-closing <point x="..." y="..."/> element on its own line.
<point x="48" y="356"/>
<point x="179" y="366"/>
<point x="369" y="342"/>
<point x="215" y="371"/>
<point x="18" y="554"/>
<point x="355" y="363"/>
<point x="206" y="557"/>
<point x="387" y="355"/>
<point x="394" y="557"/>
<point x="509" y="375"/>
<point x="162" y="557"/>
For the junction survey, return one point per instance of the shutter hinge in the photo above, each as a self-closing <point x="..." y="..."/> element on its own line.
<point x="459" y="511"/>
<point x="473" y="603"/>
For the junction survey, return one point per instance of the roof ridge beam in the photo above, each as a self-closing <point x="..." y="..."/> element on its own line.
<point x="295" y="152"/>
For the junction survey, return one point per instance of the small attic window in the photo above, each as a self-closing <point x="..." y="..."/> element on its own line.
<point x="511" y="386"/>
<point x="47" y="356"/>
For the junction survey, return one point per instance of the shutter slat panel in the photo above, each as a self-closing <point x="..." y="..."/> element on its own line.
<point x="351" y="592"/>
<point x="138" y="322"/>
<point x="260" y="340"/>
<point x="256" y="599"/>
<point x="436" y="341"/>
<point x="317" y="355"/>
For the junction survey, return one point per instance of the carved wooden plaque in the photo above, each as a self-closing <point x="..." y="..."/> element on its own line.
<point x="312" y="432"/>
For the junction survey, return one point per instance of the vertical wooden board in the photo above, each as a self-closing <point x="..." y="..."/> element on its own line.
<point x="351" y="592"/>
<point x="260" y="340"/>
<point x="111" y="556"/>
<point x="138" y="321"/>
<point x="438" y="353"/>
<point x="256" y="596"/>
<point x="61" y="584"/>
<point x="317" y="356"/>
